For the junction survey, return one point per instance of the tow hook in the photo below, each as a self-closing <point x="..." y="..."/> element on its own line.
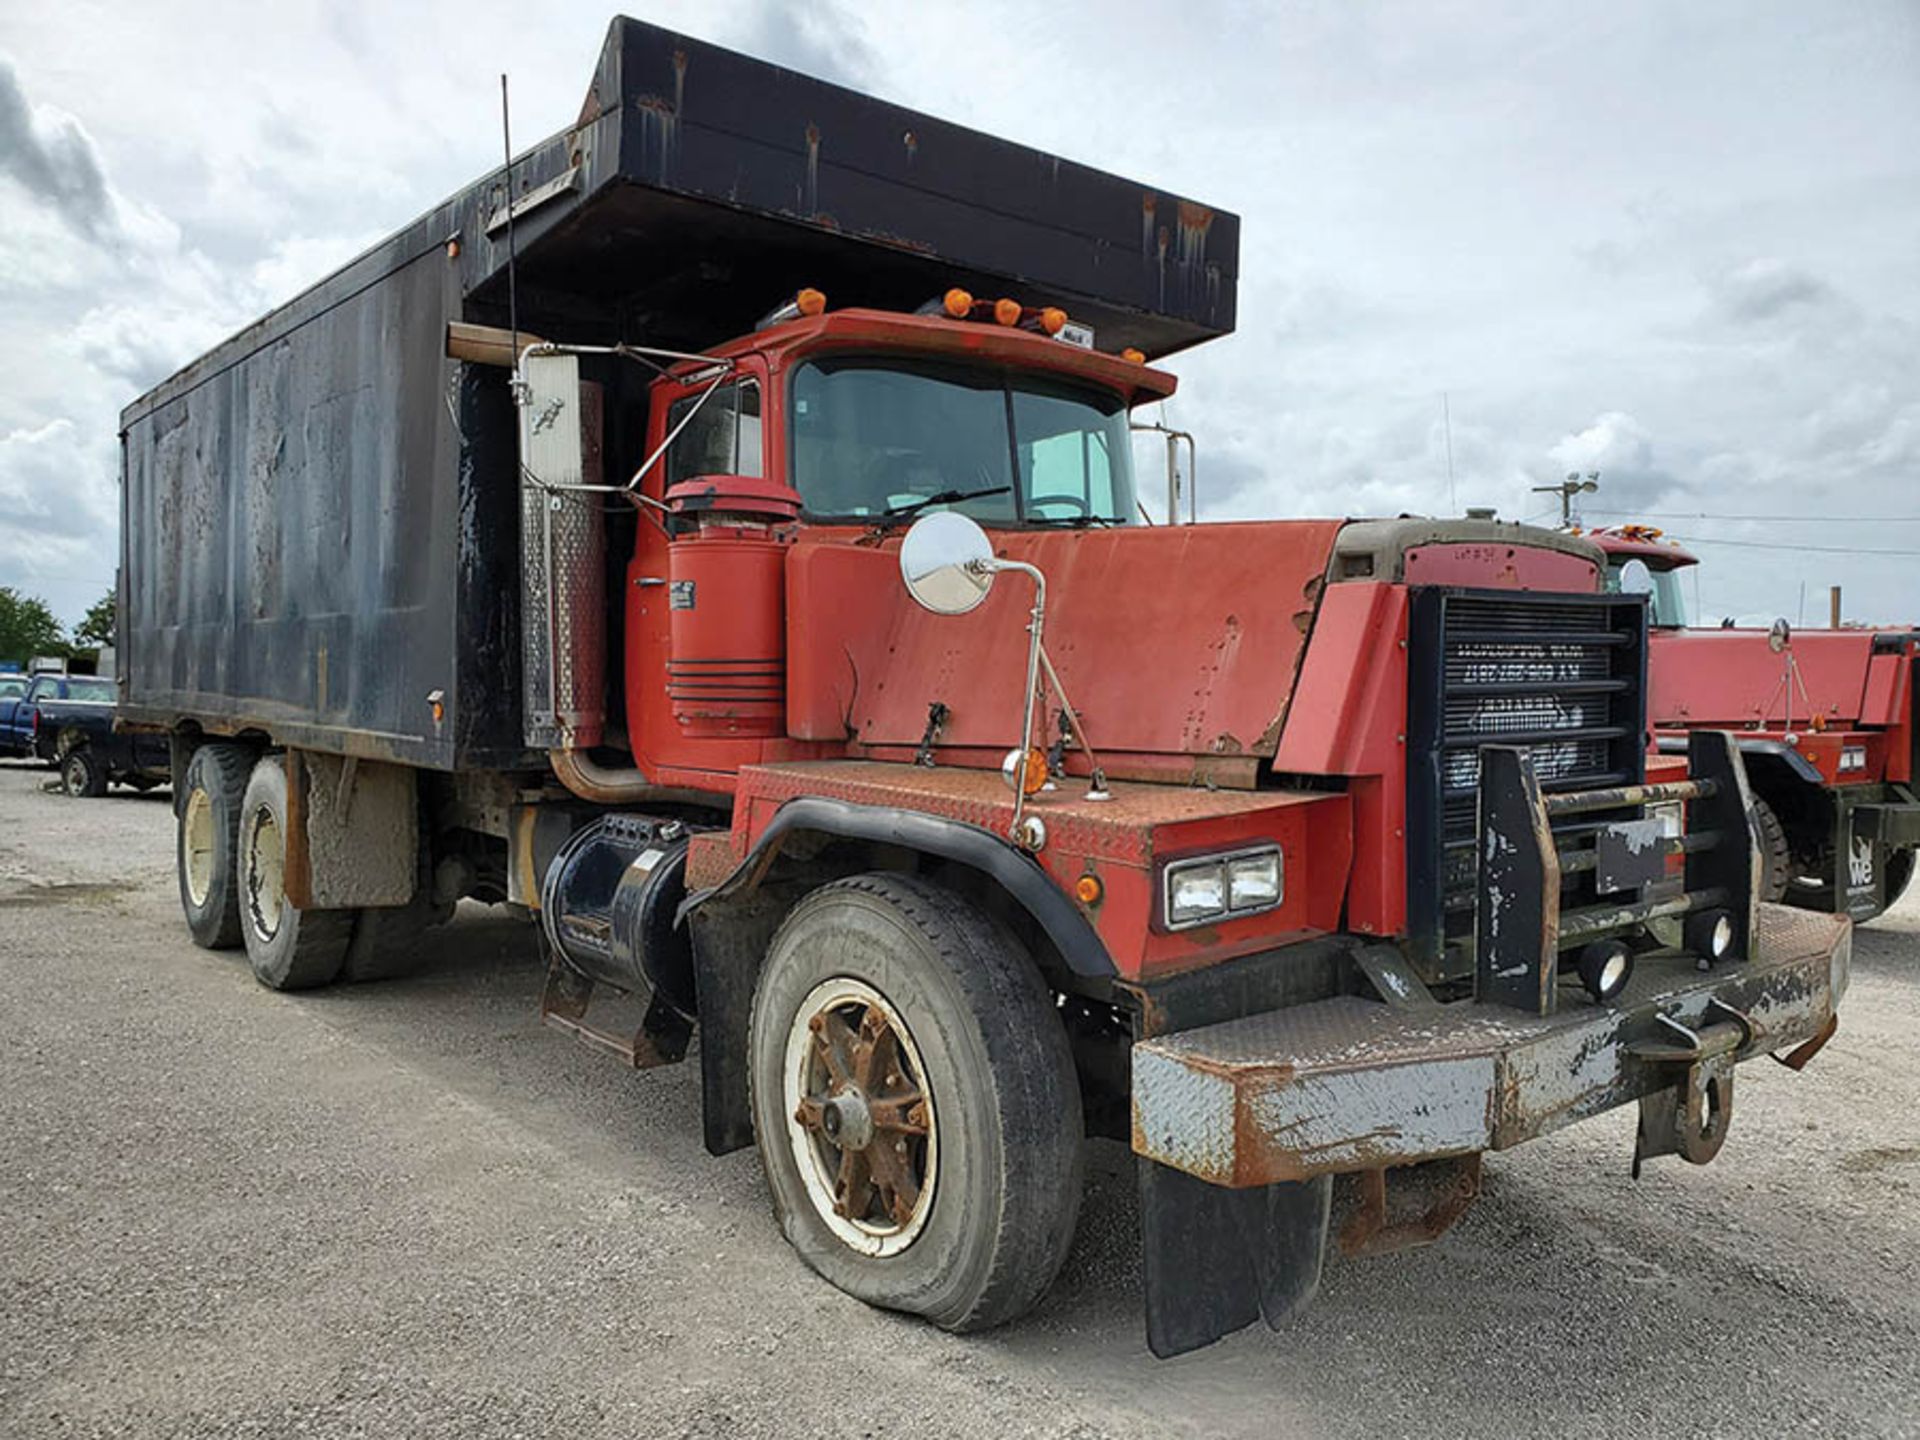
<point x="1690" y="1117"/>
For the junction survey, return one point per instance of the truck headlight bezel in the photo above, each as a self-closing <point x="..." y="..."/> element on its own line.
<point x="1185" y="884"/>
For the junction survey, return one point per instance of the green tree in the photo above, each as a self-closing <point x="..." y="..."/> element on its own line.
<point x="96" y="628"/>
<point x="27" y="627"/>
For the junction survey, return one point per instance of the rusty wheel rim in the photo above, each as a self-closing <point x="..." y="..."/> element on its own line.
<point x="860" y="1117"/>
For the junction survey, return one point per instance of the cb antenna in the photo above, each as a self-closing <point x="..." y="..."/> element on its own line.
<point x="513" y="298"/>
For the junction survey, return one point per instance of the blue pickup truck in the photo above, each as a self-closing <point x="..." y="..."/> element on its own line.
<point x="67" y="720"/>
<point x="13" y="689"/>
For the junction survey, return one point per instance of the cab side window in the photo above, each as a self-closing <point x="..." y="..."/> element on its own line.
<point x="723" y="436"/>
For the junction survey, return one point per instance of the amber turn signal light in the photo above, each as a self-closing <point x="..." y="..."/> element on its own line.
<point x="1024" y="770"/>
<point x="1088" y="889"/>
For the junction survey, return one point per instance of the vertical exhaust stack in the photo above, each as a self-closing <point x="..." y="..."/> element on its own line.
<point x="563" y="613"/>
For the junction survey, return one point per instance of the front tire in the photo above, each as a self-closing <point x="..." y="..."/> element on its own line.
<point x="82" y="776"/>
<point x="288" y="948"/>
<point x="1899" y="876"/>
<point x="915" y="1103"/>
<point x="1776" y="855"/>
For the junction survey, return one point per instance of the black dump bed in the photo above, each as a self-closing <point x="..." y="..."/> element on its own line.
<point x="320" y="517"/>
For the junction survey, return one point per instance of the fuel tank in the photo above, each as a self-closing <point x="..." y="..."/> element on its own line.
<point x="608" y="905"/>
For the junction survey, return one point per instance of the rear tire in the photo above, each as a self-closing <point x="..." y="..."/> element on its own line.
<point x="206" y="842"/>
<point x="289" y="948"/>
<point x="81" y="775"/>
<point x="960" y="1201"/>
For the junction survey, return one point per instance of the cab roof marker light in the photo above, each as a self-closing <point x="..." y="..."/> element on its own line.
<point x="1047" y="319"/>
<point x="1006" y="312"/>
<point x="805" y="302"/>
<point x="1133" y="356"/>
<point x="955" y="304"/>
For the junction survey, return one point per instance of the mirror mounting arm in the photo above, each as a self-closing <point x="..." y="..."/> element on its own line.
<point x="991" y="565"/>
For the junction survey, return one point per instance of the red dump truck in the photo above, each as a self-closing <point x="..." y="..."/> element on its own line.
<point x="716" y="536"/>
<point x="1824" y="720"/>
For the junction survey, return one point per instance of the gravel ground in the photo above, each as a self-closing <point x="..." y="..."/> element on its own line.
<point x="408" y="1209"/>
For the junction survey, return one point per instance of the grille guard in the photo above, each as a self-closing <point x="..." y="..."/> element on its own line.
<point x="1521" y="929"/>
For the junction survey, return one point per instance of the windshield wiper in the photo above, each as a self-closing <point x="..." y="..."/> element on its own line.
<point x="1073" y="522"/>
<point x="945" y="497"/>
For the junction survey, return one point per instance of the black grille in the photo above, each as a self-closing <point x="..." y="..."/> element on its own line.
<point x="1563" y="676"/>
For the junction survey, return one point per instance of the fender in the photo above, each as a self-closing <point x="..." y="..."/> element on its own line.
<point x="1801" y="767"/>
<point x="733" y="923"/>
<point x="969" y="845"/>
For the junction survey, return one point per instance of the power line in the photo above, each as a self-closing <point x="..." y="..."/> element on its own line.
<point x="1796" y="519"/>
<point x="1819" y="549"/>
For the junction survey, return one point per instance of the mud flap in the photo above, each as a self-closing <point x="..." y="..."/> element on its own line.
<point x="1215" y="1260"/>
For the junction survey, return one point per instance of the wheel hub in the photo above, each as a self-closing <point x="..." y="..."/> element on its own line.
<point x="861" y="1122"/>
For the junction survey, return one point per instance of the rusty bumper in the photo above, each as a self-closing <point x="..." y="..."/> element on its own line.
<point x="1350" y="1084"/>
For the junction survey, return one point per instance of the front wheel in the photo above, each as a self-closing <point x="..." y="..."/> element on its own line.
<point x="914" y="1102"/>
<point x="81" y="775"/>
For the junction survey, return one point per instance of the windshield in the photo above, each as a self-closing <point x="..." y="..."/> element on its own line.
<point x="90" y="690"/>
<point x="12" y="689"/>
<point x="1666" y="604"/>
<point x="870" y="436"/>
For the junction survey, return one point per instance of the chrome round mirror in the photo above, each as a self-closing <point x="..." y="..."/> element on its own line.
<point x="1636" y="578"/>
<point x="1779" y="635"/>
<point x="946" y="562"/>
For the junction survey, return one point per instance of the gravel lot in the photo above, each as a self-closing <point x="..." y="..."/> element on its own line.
<point x="408" y="1209"/>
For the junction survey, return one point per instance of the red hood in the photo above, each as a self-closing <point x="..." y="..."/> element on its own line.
<point x="1171" y="640"/>
<point x="1733" y="678"/>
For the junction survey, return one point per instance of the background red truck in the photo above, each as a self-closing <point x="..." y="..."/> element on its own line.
<point x="777" y="629"/>
<point x="1824" y="720"/>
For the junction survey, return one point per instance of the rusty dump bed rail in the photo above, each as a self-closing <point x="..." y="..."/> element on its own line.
<point x="1351" y="1084"/>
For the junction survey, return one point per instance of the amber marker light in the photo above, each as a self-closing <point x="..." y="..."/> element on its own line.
<point x="957" y="303"/>
<point x="1133" y="356"/>
<point x="810" y="302"/>
<point x="1006" y="312"/>
<point x="1088" y="889"/>
<point x="1053" y="320"/>
<point x="1024" y="770"/>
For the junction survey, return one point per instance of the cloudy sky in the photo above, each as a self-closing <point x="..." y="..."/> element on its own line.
<point x="1677" y="244"/>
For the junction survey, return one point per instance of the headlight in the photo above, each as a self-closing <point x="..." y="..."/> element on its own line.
<point x="1219" y="887"/>
<point x="1253" y="882"/>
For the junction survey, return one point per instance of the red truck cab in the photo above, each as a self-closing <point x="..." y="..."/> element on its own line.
<point x="1824" y="719"/>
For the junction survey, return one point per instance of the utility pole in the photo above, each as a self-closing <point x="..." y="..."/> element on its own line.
<point x="1568" y="488"/>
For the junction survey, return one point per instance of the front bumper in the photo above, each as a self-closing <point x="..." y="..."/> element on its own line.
<point x="1350" y="1084"/>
